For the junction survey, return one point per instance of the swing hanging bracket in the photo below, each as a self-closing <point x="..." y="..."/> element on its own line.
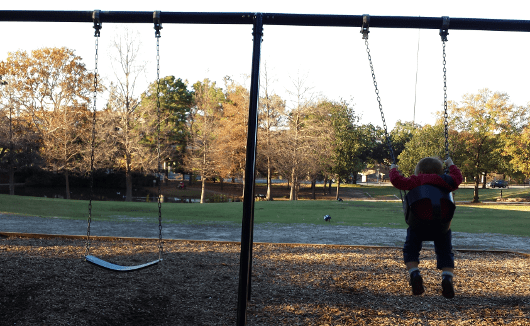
<point x="365" y="28"/>
<point x="157" y="22"/>
<point x="97" y="22"/>
<point x="444" y="31"/>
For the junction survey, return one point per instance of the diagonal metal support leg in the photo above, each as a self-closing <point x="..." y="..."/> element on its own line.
<point x="245" y="266"/>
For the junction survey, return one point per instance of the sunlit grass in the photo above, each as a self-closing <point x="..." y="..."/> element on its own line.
<point x="510" y="207"/>
<point x="463" y="194"/>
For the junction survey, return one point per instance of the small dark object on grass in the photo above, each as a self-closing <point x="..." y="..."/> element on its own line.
<point x="327" y="218"/>
<point x="340" y="199"/>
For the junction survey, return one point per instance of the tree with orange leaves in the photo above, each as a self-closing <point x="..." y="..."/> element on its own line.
<point x="52" y="87"/>
<point x="232" y="136"/>
<point x="201" y="156"/>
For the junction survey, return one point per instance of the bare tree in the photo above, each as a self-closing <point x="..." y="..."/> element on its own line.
<point x="19" y="143"/>
<point x="295" y="142"/>
<point x="272" y="113"/>
<point x="122" y="106"/>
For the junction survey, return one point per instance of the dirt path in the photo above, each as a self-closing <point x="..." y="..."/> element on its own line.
<point x="266" y="232"/>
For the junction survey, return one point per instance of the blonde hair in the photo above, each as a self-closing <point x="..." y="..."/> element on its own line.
<point x="429" y="165"/>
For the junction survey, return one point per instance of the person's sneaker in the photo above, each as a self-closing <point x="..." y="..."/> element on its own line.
<point x="447" y="287"/>
<point x="416" y="282"/>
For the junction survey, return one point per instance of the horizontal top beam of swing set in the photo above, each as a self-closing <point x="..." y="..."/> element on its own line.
<point x="167" y="17"/>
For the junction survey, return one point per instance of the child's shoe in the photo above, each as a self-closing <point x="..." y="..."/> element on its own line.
<point x="416" y="281"/>
<point x="447" y="287"/>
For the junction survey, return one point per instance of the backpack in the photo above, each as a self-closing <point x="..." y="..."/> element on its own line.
<point x="429" y="209"/>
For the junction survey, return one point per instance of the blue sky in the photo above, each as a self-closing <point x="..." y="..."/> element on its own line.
<point x="333" y="60"/>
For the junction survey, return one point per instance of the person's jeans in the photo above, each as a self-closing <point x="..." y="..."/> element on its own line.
<point x="442" y="247"/>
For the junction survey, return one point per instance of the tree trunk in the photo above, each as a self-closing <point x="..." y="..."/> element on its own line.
<point x="128" y="186"/>
<point x="269" y="180"/>
<point x="475" y="192"/>
<point x="313" y="188"/>
<point x="329" y="186"/>
<point x="292" y="195"/>
<point x="324" y="185"/>
<point x="203" y="188"/>
<point x="338" y="188"/>
<point x="484" y="180"/>
<point x="11" y="179"/>
<point x="297" y="189"/>
<point x="354" y="178"/>
<point x="243" y="190"/>
<point x="11" y="166"/>
<point x="67" y="184"/>
<point x="221" y="180"/>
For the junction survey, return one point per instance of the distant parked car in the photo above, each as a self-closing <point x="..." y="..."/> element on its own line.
<point x="498" y="184"/>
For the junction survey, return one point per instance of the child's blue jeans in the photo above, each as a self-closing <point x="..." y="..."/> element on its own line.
<point x="442" y="247"/>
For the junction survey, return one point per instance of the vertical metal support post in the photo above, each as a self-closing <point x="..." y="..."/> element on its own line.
<point x="245" y="263"/>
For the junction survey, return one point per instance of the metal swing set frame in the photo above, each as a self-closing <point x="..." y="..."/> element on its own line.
<point x="258" y="20"/>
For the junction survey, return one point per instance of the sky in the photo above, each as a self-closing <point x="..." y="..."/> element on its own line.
<point x="332" y="60"/>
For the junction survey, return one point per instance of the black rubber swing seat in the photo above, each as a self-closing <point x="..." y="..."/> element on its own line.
<point x="440" y="202"/>
<point x="119" y="268"/>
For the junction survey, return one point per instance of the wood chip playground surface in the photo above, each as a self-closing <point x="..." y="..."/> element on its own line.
<point x="45" y="281"/>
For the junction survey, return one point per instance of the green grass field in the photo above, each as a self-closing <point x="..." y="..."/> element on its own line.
<point x="480" y="218"/>
<point x="462" y="194"/>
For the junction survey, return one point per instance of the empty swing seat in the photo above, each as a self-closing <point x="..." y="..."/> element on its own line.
<point x="429" y="209"/>
<point x="105" y="264"/>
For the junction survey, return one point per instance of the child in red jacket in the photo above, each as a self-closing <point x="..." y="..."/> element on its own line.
<point x="429" y="171"/>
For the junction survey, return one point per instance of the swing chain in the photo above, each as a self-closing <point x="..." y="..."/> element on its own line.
<point x="446" y="123"/>
<point x="365" y="31"/>
<point x="97" y="27"/>
<point x="387" y="137"/>
<point x="444" y="31"/>
<point x="158" y="26"/>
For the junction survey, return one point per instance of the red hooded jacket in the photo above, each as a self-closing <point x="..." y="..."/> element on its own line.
<point x="449" y="182"/>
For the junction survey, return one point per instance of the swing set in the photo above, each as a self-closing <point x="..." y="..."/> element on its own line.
<point x="258" y="20"/>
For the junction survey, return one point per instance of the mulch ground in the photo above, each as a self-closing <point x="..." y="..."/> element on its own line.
<point x="47" y="282"/>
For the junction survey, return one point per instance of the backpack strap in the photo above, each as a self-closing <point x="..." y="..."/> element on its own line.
<point x="449" y="180"/>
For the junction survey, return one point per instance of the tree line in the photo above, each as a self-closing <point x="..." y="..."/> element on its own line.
<point x="46" y="122"/>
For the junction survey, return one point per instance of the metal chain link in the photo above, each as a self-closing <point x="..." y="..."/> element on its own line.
<point x="160" y="249"/>
<point x="92" y="149"/>
<point x="446" y="123"/>
<point x="387" y="137"/>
